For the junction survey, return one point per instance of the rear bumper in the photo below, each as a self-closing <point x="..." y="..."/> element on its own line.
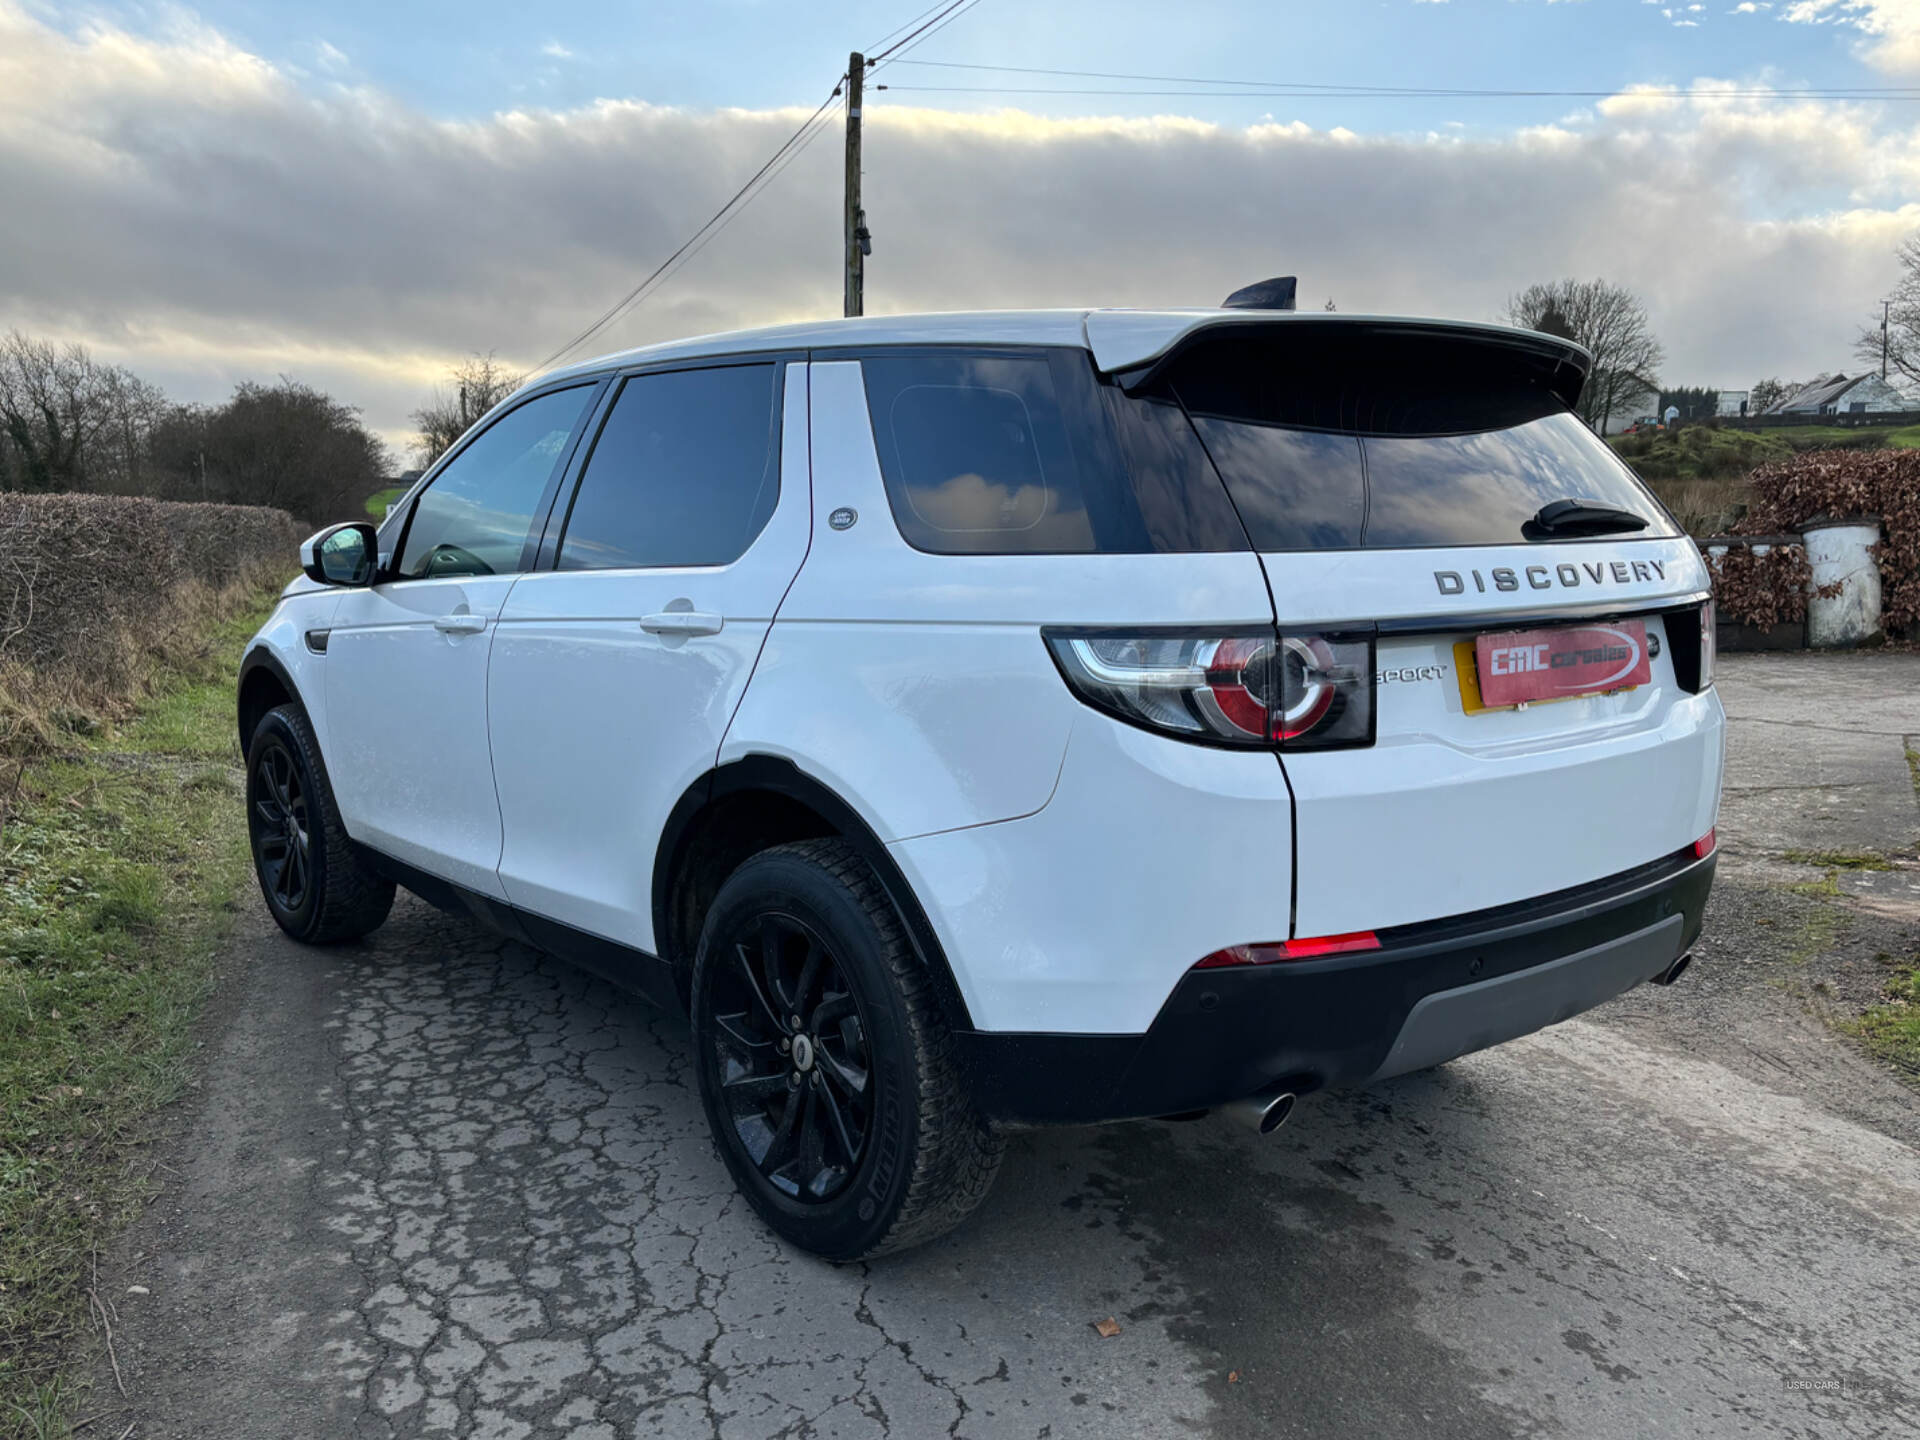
<point x="1432" y="991"/>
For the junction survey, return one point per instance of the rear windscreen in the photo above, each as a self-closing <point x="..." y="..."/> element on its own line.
<point x="1343" y="437"/>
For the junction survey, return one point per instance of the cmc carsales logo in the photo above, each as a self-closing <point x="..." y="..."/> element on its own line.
<point x="1527" y="665"/>
<point x="1525" y="659"/>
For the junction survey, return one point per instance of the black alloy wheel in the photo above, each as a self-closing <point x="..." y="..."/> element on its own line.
<point x="279" y="820"/>
<point x="828" y="1069"/>
<point x="318" y="890"/>
<point x="794" y="1065"/>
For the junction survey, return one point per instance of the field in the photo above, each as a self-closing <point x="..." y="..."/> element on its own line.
<point x="378" y="502"/>
<point x="1700" y="471"/>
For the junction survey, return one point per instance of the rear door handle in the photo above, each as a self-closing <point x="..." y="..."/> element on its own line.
<point x="460" y="624"/>
<point x="681" y="622"/>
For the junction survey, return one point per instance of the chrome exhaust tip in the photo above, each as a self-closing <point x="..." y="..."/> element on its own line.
<point x="1674" y="971"/>
<point x="1263" y="1114"/>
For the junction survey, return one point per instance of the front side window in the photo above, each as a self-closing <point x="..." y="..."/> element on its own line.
<point x="686" y="471"/>
<point x="475" y="517"/>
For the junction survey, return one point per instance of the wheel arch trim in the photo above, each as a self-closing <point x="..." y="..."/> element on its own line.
<point x="261" y="657"/>
<point x="780" y="776"/>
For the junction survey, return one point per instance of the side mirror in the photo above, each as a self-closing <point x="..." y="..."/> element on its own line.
<point x="340" y="554"/>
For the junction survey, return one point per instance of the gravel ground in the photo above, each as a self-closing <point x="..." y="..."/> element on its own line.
<point x="440" y="1185"/>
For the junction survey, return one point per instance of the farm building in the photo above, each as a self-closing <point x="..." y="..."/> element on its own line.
<point x="1835" y="394"/>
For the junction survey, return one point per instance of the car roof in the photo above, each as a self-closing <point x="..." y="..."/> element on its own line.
<point x="1119" y="339"/>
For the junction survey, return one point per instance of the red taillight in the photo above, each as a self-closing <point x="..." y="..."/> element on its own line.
<point x="1237" y="678"/>
<point x="1331" y="944"/>
<point x="1255" y="689"/>
<point x="1277" y="950"/>
<point x="1704" y="846"/>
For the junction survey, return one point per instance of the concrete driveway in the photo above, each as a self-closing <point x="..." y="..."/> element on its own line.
<point x="441" y="1185"/>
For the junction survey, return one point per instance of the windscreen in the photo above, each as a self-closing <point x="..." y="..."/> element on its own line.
<point x="1350" y="437"/>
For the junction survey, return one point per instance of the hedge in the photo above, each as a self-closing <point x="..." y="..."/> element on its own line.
<point x="1842" y="484"/>
<point x="94" y="588"/>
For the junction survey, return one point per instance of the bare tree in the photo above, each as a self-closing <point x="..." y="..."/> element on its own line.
<point x="1612" y="323"/>
<point x="472" y="388"/>
<point x="68" y="422"/>
<point x="1767" y="393"/>
<point x="1902" y="320"/>
<point x="121" y="461"/>
<point x="53" y="404"/>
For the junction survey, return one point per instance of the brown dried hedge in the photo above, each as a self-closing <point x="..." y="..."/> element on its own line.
<point x="95" y="590"/>
<point x="1761" y="590"/>
<point x="1842" y="484"/>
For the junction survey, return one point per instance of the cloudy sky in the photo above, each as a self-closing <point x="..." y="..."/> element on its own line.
<point x="358" y="193"/>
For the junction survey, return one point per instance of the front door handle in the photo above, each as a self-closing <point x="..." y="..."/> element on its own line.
<point x="460" y="624"/>
<point x="681" y="622"/>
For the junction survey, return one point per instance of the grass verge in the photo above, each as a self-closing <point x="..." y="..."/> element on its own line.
<point x="1891" y="1029"/>
<point x="121" y="863"/>
<point x="378" y="502"/>
<point x="1840" y="859"/>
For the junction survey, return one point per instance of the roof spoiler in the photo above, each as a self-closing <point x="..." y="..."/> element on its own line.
<point x="1274" y="294"/>
<point x="1563" y="364"/>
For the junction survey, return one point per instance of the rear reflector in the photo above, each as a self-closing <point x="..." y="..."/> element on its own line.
<point x="1278" y="950"/>
<point x="1704" y="846"/>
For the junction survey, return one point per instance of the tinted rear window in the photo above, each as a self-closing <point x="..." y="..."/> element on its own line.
<point x="1330" y="440"/>
<point x="684" y="472"/>
<point x="1013" y="453"/>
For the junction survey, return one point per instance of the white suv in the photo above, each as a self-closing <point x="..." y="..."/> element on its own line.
<point x="987" y="720"/>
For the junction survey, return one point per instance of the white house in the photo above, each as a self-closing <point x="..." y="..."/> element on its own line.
<point x="1637" y="398"/>
<point x="1835" y="394"/>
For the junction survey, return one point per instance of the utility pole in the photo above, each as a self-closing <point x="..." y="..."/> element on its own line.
<point x="1886" y="312"/>
<point x="859" y="243"/>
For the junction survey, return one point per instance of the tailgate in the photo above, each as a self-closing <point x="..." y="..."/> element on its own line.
<point x="1454" y="809"/>
<point x="1410" y="487"/>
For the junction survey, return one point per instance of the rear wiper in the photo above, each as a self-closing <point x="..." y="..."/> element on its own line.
<point x="1561" y="518"/>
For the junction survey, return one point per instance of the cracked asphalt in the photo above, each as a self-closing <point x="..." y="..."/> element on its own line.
<point x="439" y="1184"/>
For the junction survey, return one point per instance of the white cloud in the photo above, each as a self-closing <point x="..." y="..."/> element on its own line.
<point x="329" y="56"/>
<point x="555" y="50"/>
<point x="190" y="210"/>
<point x="1891" y="28"/>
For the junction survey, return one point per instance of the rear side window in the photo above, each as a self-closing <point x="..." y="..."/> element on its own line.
<point x="1345" y="438"/>
<point x="684" y="472"/>
<point x="1022" y="453"/>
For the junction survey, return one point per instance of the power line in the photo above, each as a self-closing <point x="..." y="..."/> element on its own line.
<point x="1821" y="91"/>
<point x="938" y="21"/>
<point x="1410" y="94"/>
<point x="911" y="43"/>
<point x="1304" y="91"/>
<point x="823" y="124"/>
<point x="715" y="223"/>
<point x="902" y="29"/>
<point x="897" y="42"/>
